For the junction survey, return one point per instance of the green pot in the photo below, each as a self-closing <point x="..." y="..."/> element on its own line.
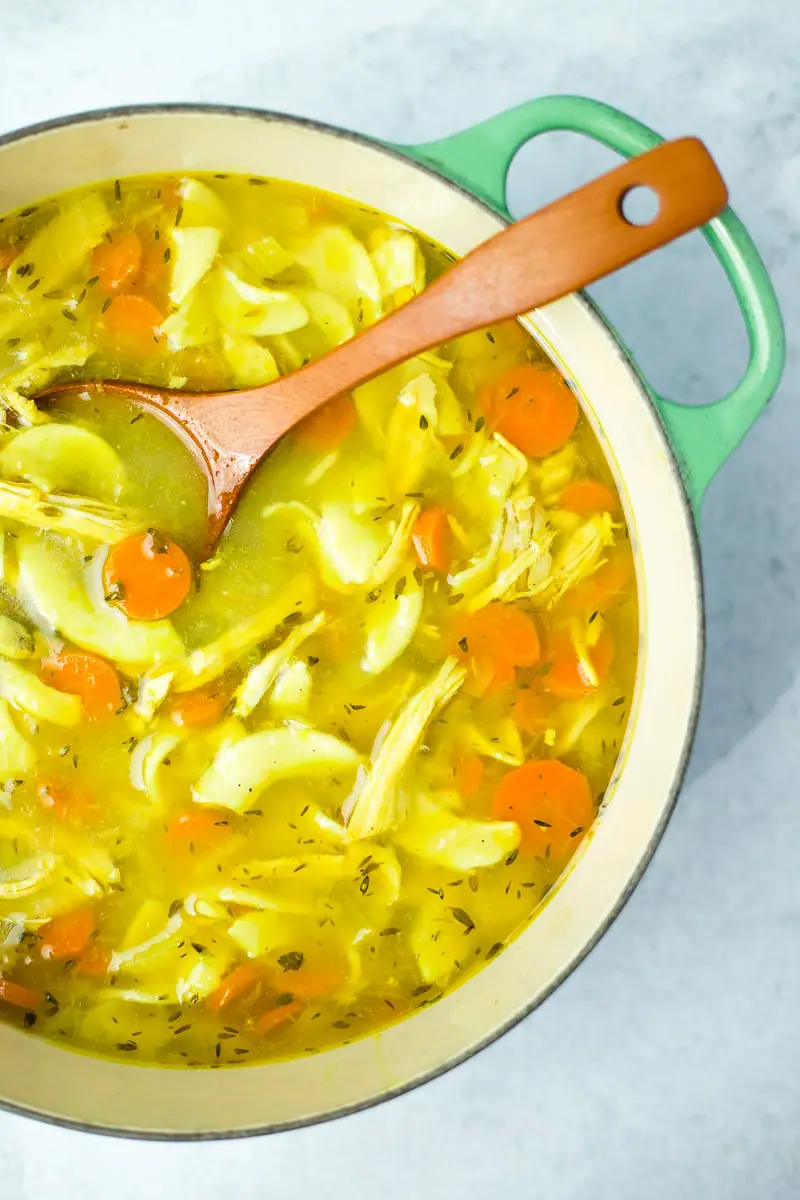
<point x="664" y="456"/>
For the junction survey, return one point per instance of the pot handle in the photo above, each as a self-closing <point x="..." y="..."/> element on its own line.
<point x="703" y="436"/>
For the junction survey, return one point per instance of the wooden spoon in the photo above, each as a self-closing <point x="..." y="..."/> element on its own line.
<point x="555" y="251"/>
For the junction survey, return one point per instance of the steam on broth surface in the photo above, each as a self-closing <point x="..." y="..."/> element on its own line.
<point x="265" y="804"/>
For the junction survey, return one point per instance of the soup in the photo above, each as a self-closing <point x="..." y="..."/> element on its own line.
<point x="260" y="805"/>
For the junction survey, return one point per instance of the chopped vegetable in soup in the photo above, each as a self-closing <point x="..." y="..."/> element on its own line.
<point x="267" y="803"/>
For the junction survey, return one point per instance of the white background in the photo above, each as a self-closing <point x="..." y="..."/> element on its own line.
<point x="669" y="1065"/>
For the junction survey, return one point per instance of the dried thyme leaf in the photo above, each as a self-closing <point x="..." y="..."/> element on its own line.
<point x="291" y="961"/>
<point x="463" y="917"/>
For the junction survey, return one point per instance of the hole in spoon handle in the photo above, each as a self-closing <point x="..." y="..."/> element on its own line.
<point x="639" y="205"/>
<point x="576" y="240"/>
<point x="592" y="232"/>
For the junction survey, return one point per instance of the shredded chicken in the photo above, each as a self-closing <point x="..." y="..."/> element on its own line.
<point x="375" y="809"/>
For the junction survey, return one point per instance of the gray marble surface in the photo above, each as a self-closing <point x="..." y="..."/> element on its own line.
<point x="669" y="1065"/>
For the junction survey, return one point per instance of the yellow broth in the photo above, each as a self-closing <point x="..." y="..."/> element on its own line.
<point x="348" y="767"/>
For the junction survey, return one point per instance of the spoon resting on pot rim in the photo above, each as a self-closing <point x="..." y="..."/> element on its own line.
<point x="570" y="243"/>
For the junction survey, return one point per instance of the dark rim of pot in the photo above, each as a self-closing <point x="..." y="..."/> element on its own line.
<point x="266" y="115"/>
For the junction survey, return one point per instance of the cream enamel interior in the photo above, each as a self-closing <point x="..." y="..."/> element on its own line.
<point x="62" y="1085"/>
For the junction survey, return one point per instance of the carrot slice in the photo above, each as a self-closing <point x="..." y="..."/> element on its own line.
<point x="67" y="935"/>
<point x="94" y="961"/>
<point x="567" y="676"/>
<point x="153" y="271"/>
<point x="66" y="801"/>
<point x="430" y="537"/>
<point x="495" y="640"/>
<point x="133" y="320"/>
<point x="310" y="982"/>
<point x="147" y="576"/>
<point x="118" y="261"/>
<point x="195" y="709"/>
<point x="532" y="710"/>
<point x="586" y="496"/>
<point x="271" y="1020"/>
<point x="19" y="996"/>
<point x="612" y="576"/>
<point x="551" y="803"/>
<point x="236" y="986"/>
<point x="500" y="632"/>
<point x="533" y="408"/>
<point x="328" y="427"/>
<point x="503" y="673"/>
<point x="7" y="256"/>
<point x="468" y="774"/>
<point x="198" y="829"/>
<point x="607" y="585"/>
<point x="488" y="676"/>
<point x="85" y="675"/>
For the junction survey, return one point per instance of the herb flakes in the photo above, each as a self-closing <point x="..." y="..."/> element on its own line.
<point x="291" y="961"/>
<point x="463" y="918"/>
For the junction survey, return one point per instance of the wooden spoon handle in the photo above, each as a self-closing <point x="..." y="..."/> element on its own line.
<point x="570" y="243"/>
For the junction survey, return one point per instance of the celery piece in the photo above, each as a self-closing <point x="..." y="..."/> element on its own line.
<point x="457" y="843"/>
<point x="267" y="258"/>
<point x="291" y="692"/>
<point x="349" y="548"/>
<point x="258" y="311"/>
<point x="27" y="876"/>
<point x="391" y="623"/>
<point x="147" y="760"/>
<point x="251" y="363"/>
<point x="15" y="640"/>
<point x="339" y="265"/>
<point x="33" y="375"/>
<point x="67" y="458"/>
<point x="17" y="756"/>
<point x="200" y="205"/>
<point x="193" y="323"/>
<point x="193" y="253"/>
<point x="60" y="247"/>
<point x="240" y="772"/>
<point x="257" y="933"/>
<point x="329" y="314"/>
<point x="260" y="678"/>
<point x="25" y="691"/>
<point x="399" y="264"/>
